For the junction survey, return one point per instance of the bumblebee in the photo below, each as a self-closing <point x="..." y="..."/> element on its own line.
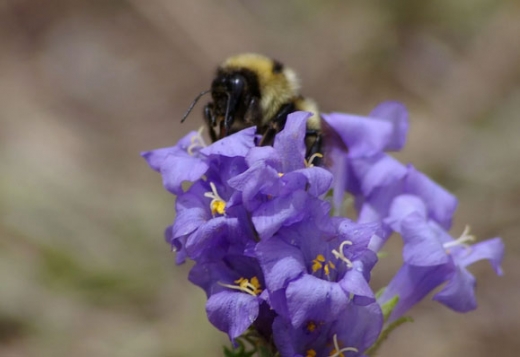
<point x="254" y="90"/>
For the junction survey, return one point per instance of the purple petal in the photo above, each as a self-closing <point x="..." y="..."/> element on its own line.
<point x="177" y="169"/>
<point x="338" y="166"/>
<point x="459" y="293"/>
<point x="232" y="312"/>
<point x="192" y="212"/>
<point x="319" y="180"/>
<point x="206" y="237"/>
<point x="272" y="215"/>
<point x="440" y="203"/>
<point x="359" y="326"/>
<point x="310" y="298"/>
<point x="237" y="144"/>
<point x="396" y="114"/>
<point x="296" y="342"/>
<point x="491" y="249"/>
<point x="421" y="246"/>
<point x="177" y="245"/>
<point x="412" y="284"/>
<point x="403" y="206"/>
<point x="354" y="282"/>
<point x="384" y="172"/>
<point x="266" y="154"/>
<point x="256" y="179"/>
<point x="290" y="142"/>
<point x="155" y="158"/>
<point x="363" y="136"/>
<point x="280" y="263"/>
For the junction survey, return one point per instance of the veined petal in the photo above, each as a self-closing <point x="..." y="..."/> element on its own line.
<point x="359" y="326"/>
<point x="177" y="169"/>
<point x="232" y="312"/>
<point x="441" y="204"/>
<point x="385" y="171"/>
<point x="310" y="298"/>
<point x="412" y="284"/>
<point x="396" y="114"/>
<point x="234" y="145"/>
<point x="290" y="143"/>
<point x="281" y="262"/>
<point x="155" y="158"/>
<point x="319" y="180"/>
<point x="459" y="292"/>
<point x="401" y="207"/>
<point x="421" y="246"/>
<point x="363" y="136"/>
<point x="491" y="249"/>
<point x="272" y="215"/>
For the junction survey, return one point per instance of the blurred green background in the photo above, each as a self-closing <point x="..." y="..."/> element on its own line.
<point x="86" y="85"/>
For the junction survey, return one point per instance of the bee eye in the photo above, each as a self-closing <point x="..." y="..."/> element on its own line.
<point x="236" y="85"/>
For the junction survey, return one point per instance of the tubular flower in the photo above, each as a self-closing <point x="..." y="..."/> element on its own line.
<point x="432" y="257"/>
<point x="280" y="266"/>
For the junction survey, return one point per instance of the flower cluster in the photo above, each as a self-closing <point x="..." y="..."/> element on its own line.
<point x="273" y="253"/>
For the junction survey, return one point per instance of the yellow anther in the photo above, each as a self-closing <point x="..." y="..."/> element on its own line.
<point x="326" y="269"/>
<point x="320" y="263"/>
<point x="311" y="326"/>
<point x="217" y="204"/>
<point x="218" y="207"/>
<point x="317" y="263"/>
<point x="249" y="286"/>
<point x="310" y="353"/>
<point x="280" y="174"/>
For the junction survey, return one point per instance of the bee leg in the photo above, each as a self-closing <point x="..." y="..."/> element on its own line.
<point x="211" y="121"/>
<point x="276" y="124"/>
<point x="315" y="147"/>
<point x="253" y="115"/>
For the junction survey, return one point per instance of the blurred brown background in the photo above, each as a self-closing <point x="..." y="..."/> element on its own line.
<point x="86" y="85"/>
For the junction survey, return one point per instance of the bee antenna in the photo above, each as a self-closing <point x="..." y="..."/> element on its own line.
<point x="193" y="104"/>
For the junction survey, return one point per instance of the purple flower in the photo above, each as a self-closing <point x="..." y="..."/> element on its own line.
<point x="179" y="163"/>
<point x="432" y="257"/>
<point x="382" y="178"/>
<point x="190" y="159"/>
<point x="235" y="288"/>
<point x="359" y="138"/>
<point x="269" y="256"/>
<point x="277" y="186"/>
<point x="352" y="332"/>
<point x="312" y="273"/>
<point x="210" y="217"/>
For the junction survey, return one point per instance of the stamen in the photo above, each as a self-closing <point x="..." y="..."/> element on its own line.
<point x="217" y="204"/>
<point x="338" y="254"/>
<point x="311" y="353"/>
<point x="337" y="352"/>
<point x="308" y="163"/>
<point x="196" y="142"/>
<point x="321" y="263"/>
<point x="463" y="240"/>
<point x="251" y="287"/>
<point x="311" y="326"/>
<point x="317" y="263"/>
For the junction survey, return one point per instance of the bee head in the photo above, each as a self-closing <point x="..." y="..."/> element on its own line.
<point x="227" y="92"/>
